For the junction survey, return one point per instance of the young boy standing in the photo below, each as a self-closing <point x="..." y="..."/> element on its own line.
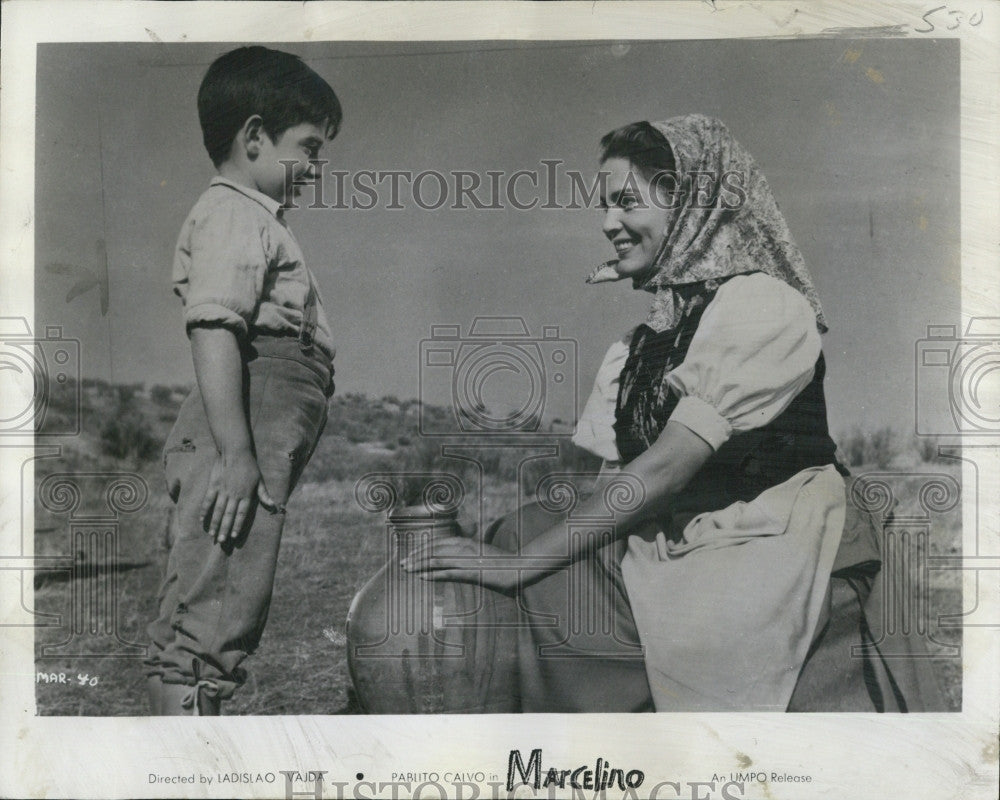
<point x="263" y="357"/>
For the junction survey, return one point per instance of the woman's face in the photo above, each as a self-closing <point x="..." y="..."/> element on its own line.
<point x="633" y="222"/>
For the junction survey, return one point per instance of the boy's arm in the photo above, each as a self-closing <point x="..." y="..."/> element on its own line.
<point x="235" y="484"/>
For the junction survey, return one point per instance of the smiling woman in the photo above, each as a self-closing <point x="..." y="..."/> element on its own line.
<point x="637" y="212"/>
<point x="729" y="583"/>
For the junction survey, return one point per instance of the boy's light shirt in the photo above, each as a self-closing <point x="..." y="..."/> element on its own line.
<point x="237" y="264"/>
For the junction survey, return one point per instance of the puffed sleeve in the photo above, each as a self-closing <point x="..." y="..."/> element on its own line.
<point x="228" y="262"/>
<point x="595" y="429"/>
<point x="755" y="349"/>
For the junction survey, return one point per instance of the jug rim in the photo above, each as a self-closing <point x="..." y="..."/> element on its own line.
<point x="422" y="511"/>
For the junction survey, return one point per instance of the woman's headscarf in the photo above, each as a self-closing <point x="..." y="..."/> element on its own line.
<point x="714" y="243"/>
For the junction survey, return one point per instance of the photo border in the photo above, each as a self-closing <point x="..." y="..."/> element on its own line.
<point x="852" y="755"/>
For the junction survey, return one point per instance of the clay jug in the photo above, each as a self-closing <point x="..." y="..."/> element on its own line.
<point x="430" y="647"/>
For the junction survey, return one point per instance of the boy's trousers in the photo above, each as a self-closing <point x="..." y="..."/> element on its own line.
<point x="214" y="599"/>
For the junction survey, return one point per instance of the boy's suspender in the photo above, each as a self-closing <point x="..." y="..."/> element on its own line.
<point x="310" y="315"/>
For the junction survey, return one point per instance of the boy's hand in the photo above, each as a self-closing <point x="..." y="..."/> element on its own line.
<point x="235" y="484"/>
<point x="234" y="488"/>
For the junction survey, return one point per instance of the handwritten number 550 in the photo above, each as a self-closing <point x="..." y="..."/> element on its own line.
<point x="944" y="13"/>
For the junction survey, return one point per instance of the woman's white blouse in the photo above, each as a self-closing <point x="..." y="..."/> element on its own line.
<point x="755" y="349"/>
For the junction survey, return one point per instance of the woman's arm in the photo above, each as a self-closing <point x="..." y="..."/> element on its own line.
<point x="662" y="471"/>
<point x="755" y="349"/>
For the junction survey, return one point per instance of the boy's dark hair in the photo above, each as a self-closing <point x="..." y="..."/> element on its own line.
<point x="641" y="144"/>
<point x="256" y="80"/>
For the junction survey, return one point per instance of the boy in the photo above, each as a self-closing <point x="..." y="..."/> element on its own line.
<point x="263" y="356"/>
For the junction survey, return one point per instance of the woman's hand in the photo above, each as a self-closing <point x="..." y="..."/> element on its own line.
<point x="456" y="558"/>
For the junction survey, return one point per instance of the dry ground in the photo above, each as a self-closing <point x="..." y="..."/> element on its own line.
<point x="330" y="548"/>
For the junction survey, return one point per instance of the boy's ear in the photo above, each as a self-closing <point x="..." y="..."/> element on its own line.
<point x="252" y="135"/>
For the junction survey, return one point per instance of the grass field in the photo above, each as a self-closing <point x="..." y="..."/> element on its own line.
<point x="331" y="547"/>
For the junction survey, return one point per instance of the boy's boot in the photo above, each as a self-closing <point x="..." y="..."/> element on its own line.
<point x="181" y="699"/>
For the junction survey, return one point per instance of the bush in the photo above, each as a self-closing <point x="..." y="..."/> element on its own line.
<point x="852" y="445"/>
<point x="883" y="447"/>
<point x="355" y="434"/>
<point x="927" y="448"/>
<point x="160" y="394"/>
<point x="125" y="396"/>
<point x="127" y="435"/>
<point x="878" y="447"/>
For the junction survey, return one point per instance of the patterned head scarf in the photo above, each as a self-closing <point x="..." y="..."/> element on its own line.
<point x="707" y="244"/>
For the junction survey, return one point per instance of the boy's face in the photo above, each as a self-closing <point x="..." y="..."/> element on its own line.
<point x="300" y="145"/>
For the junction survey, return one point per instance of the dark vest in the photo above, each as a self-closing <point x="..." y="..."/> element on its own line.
<point x="749" y="462"/>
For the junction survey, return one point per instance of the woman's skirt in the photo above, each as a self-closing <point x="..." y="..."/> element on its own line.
<point x="580" y="648"/>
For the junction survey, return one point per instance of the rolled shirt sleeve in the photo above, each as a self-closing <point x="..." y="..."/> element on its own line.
<point x="227" y="262"/>
<point x="755" y="349"/>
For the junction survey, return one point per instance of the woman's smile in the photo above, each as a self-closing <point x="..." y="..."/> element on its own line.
<point x="622" y="246"/>
<point x="635" y="220"/>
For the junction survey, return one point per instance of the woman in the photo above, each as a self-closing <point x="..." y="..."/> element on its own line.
<point x="716" y="591"/>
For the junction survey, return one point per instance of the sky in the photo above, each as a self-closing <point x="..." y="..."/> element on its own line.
<point x="859" y="141"/>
